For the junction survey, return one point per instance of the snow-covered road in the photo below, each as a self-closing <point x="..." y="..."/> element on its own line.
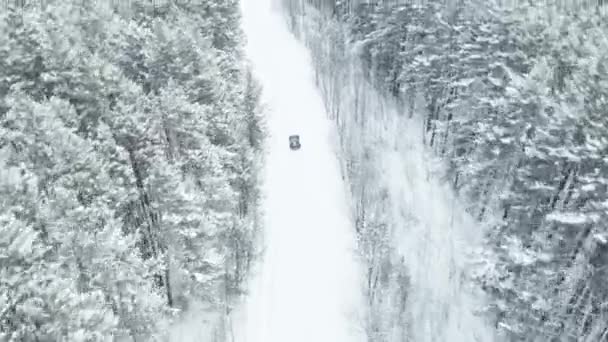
<point x="307" y="288"/>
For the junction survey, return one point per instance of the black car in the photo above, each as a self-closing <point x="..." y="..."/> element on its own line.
<point x="294" y="142"/>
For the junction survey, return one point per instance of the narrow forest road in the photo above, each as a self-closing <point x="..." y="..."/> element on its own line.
<point x="307" y="288"/>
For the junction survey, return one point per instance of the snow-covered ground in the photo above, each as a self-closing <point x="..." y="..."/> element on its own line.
<point x="307" y="287"/>
<point x="437" y="239"/>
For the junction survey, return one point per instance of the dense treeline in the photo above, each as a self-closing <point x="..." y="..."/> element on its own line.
<point x="130" y="139"/>
<point x="514" y="102"/>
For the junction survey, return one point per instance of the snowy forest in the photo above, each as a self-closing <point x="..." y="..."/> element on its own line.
<point x="509" y="99"/>
<point x="130" y="144"/>
<point x="472" y="137"/>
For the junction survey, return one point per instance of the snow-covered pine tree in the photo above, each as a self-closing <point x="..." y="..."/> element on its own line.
<point x="131" y="171"/>
<point x="513" y="100"/>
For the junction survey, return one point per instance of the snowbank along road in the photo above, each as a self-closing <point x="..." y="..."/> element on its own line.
<point x="307" y="288"/>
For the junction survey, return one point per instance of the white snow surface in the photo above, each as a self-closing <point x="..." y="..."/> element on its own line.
<point x="308" y="285"/>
